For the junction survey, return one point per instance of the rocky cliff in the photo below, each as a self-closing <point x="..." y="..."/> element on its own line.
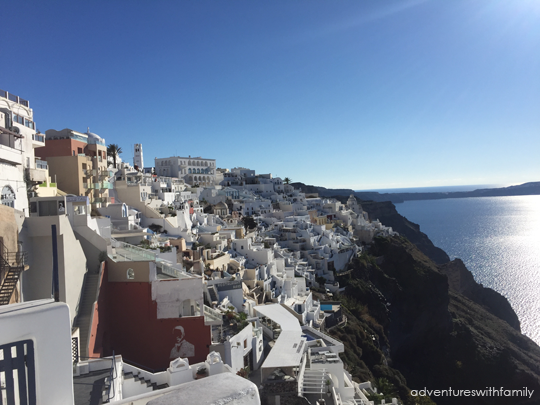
<point x="415" y="324"/>
<point x="386" y="213"/>
<point x="461" y="281"/>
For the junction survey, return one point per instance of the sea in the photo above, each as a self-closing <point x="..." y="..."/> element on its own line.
<point x="498" y="239"/>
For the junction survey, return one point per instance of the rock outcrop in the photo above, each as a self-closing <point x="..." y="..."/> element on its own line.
<point x="462" y="281"/>
<point x="386" y="213"/>
<point x="430" y="332"/>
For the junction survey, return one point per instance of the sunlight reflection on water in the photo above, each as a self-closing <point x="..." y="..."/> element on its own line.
<point x="498" y="239"/>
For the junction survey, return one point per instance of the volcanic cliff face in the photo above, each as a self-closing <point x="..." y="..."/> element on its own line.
<point x="462" y="281"/>
<point x="429" y="332"/>
<point x="386" y="213"/>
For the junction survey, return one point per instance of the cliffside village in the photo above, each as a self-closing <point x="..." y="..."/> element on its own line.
<point x="178" y="283"/>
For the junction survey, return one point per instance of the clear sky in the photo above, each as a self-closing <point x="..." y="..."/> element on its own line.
<point x="359" y="94"/>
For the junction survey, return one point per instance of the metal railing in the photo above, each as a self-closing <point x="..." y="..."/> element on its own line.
<point x="112" y="377"/>
<point x="13" y="97"/>
<point x="38" y="137"/>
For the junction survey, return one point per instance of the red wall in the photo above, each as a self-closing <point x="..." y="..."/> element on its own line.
<point x="60" y="147"/>
<point x="134" y="331"/>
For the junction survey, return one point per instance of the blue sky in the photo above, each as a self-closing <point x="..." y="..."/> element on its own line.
<point x="338" y="93"/>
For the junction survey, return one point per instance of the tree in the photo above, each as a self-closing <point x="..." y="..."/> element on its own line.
<point x="113" y="150"/>
<point x="287" y="180"/>
<point x="155" y="228"/>
<point x="249" y="223"/>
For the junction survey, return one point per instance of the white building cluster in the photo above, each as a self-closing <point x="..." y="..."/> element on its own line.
<point x="228" y="256"/>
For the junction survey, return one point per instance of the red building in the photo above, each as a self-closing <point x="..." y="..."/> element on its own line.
<point x="149" y="321"/>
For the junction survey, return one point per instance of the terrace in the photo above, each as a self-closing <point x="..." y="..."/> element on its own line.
<point x="13" y="97"/>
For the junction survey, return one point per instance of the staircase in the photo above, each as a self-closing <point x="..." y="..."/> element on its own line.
<point x="136" y="384"/>
<point x="213" y="293"/>
<point x="314" y="382"/>
<point x="11" y="267"/>
<point x="86" y="306"/>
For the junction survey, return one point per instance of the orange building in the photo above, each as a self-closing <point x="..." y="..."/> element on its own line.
<point x="78" y="163"/>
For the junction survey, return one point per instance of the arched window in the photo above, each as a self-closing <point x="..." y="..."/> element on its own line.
<point x="189" y="171"/>
<point x="8" y="197"/>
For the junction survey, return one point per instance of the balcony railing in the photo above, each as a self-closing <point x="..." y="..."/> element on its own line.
<point x="211" y="314"/>
<point x="173" y="271"/>
<point x="13" y="97"/>
<point x="41" y="164"/>
<point x="127" y="252"/>
<point x="38" y="137"/>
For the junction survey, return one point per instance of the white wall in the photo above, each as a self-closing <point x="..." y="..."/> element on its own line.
<point x="170" y="295"/>
<point x="37" y="280"/>
<point x="48" y="324"/>
<point x="235" y="350"/>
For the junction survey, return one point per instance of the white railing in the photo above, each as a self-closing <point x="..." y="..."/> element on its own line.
<point x="301" y="374"/>
<point x="212" y="314"/>
<point x="172" y="271"/>
<point x="131" y="252"/>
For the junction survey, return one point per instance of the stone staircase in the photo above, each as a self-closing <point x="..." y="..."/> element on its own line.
<point x="136" y="384"/>
<point x="213" y="294"/>
<point x="86" y="305"/>
<point x="314" y="382"/>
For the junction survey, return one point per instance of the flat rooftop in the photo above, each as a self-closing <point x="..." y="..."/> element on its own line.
<point x="280" y="315"/>
<point x="224" y="388"/>
<point x="290" y="345"/>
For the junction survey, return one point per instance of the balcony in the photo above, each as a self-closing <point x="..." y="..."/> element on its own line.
<point x="14" y="98"/>
<point x="10" y="155"/>
<point x="38" y="140"/>
<point x="37" y="175"/>
<point x="104" y="185"/>
<point x="124" y="252"/>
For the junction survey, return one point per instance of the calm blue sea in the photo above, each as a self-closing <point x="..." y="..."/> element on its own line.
<point x="498" y="239"/>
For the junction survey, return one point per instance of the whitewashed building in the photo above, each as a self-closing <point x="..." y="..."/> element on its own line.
<point x="19" y="168"/>
<point x="193" y="170"/>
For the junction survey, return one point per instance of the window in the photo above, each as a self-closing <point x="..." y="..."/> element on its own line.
<point x="245" y="343"/>
<point x="18" y="119"/>
<point x="80" y="209"/>
<point x="8" y="197"/>
<point x="28" y="123"/>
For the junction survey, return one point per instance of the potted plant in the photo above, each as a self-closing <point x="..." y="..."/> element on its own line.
<point x="201" y="373"/>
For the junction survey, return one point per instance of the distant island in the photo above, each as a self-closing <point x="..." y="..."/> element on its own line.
<point x="532" y="188"/>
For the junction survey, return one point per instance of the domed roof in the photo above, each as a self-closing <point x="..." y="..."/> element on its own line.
<point x="93" y="136"/>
